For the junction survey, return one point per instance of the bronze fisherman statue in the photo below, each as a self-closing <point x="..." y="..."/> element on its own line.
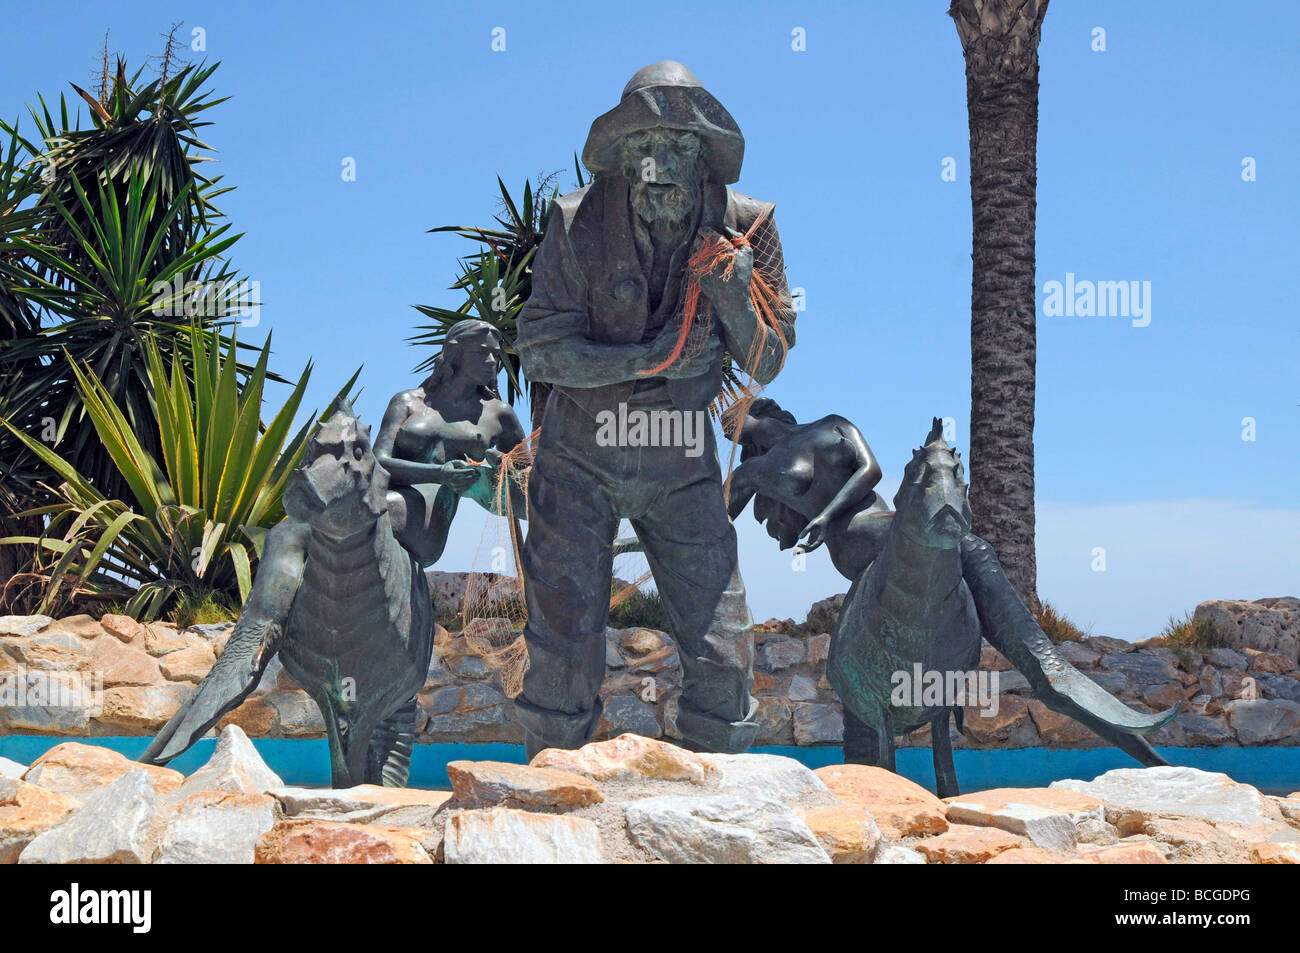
<point x="605" y="325"/>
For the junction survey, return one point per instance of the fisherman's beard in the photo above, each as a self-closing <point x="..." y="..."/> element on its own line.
<point x="668" y="204"/>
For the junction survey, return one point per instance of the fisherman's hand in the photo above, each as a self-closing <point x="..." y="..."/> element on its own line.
<point x="692" y="362"/>
<point x="729" y="294"/>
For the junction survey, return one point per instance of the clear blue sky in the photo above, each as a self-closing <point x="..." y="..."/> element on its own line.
<point x="1139" y="436"/>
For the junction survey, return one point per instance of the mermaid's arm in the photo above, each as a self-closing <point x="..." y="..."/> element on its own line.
<point x="402" y="472"/>
<point x="857" y="489"/>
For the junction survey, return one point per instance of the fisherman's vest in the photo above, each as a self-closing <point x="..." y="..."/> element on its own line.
<point x="600" y="232"/>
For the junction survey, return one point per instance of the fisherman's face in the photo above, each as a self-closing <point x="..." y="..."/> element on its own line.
<point x="663" y="168"/>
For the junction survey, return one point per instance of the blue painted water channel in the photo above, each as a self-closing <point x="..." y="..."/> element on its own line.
<point x="306" y="762"/>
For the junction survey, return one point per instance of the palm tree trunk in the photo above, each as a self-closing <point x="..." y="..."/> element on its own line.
<point x="1000" y="42"/>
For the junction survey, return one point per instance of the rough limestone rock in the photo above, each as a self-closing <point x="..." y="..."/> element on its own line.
<point x="1079" y="807"/>
<point x="235" y="767"/>
<point x="897" y="854"/>
<point x="641" y="641"/>
<point x="1133" y="794"/>
<point x="142" y="709"/>
<point x="721" y="829"/>
<point x="1273" y="663"/>
<point x="1279" y="686"/>
<point x="211" y="632"/>
<point x="363" y="804"/>
<point x="471" y="712"/>
<point x="162" y="638"/>
<point x="1270" y="625"/>
<point x="79" y="770"/>
<point x="900" y="807"/>
<point x="1134" y="853"/>
<point x="1049" y="829"/>
<point x="782" y="653"/>
<point x="1203" y="731"/>
<point x="1140" y="668"/>
<point x="818" y="723"/>
<point x="122" y="627"/>
<point x="1058" y="730"/>
<point x="493" y="783"/>
<point x="1290" y="808"/>
<point x="1276" y="854"/>
<point x="148" y="670"/>
<point x="769" y="776"/>
<point x="189" y="664"/>
<point x="11" y="769"/>
<point x="847" y="832"/>
<point x="256" y="716"/>
<point x="49" y="650"/>
<point x="27" y="811"/>
<point x="81" y="625"/>
<point x="503" y="835"/>
<point x="822" y="615"/>
<point x="112" y="827"/>
<point x="964" y="844"/>
<point x="1194" y="841"/>
<point x="1024" y="855"/>
<point x="298" y="715"/>
<point x="627" y="714"/>
<point x="215" y="827"/>
<point x="1009" y="727"/>
<point x="305" y="841"/>
<point x="23" y="625"/>
<point x="120" y="664"/>
<point x="1260" y="721"/>
<point x="628" y="758"/>
<point x="1053" y="819"/>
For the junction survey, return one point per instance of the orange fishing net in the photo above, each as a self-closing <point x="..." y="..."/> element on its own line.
<point x="767" y="293"/>
<point x="492" y="609"/>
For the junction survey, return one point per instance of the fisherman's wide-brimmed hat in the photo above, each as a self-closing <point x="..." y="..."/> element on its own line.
<point x="666" y="95"/>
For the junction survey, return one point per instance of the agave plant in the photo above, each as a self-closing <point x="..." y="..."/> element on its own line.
<point x="203" y="505"/>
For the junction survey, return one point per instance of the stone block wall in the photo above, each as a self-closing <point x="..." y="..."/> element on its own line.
<point x="134" y="676"/>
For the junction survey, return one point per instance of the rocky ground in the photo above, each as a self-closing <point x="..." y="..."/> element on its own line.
<point x="1246" y="694"/>
<point x="627" y="800"/>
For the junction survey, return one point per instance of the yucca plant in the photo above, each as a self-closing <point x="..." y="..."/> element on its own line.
<point x="122" y="212"/>
<point x="203" y="505"/>
<point x="137" y="127"/>
<point x="20" y="183"/>
<point x="113" y="307"/>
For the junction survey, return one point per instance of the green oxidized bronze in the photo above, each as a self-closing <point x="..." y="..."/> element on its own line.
<point x="340" y="593"/>
<point x="925" y="590"/>
<point x="604" y="326"/>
